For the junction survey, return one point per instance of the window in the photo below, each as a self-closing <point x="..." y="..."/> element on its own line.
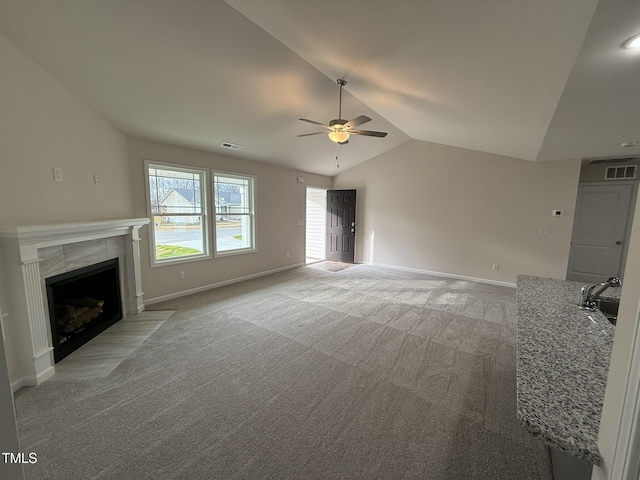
<point x="178" y="209"/>
<point x="178" y="206"/>
<point x="235" y="216"/>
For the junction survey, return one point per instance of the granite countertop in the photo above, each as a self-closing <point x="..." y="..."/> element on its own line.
<point x="563" y="358"/>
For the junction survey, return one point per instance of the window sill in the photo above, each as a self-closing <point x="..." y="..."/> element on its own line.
<point x="175" y="261"/>
<point x="229" y="253"/>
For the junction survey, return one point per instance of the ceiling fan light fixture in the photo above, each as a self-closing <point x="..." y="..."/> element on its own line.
<point x="633" y="42"/>
<point x="339" y="129"/>
<point x="339" y="136"/>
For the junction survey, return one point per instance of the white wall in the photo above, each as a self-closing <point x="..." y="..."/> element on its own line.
<point x="446" y="209"/>
<point x="621" y="356"/>
<point x="9" y="441"/>
<point x="280" y="203"/>
<point x="43" y="125"/>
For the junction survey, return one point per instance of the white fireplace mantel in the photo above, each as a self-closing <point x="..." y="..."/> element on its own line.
<point x="22" y="247"/>
<point x="39" y="236"/>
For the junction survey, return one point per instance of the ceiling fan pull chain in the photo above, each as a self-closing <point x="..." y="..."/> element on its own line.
<point x="337" y="157"/>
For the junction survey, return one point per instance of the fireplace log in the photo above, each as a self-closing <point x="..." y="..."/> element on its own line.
<point x="83" y="302"/>
<point x="75" y="313"/>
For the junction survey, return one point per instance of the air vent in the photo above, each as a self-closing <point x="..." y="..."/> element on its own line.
<point x="620" y="172"/>
<point x="230" y="146"/>
<point x="610" y="160"/>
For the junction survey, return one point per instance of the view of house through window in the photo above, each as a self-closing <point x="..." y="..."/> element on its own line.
<point x="178" y="210"/>
<point x="233" y="198"/>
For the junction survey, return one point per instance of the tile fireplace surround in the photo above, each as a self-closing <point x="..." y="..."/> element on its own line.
<point x="34" y="253"/>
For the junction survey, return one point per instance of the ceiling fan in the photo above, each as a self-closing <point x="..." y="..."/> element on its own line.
<point x="339" y="129"/>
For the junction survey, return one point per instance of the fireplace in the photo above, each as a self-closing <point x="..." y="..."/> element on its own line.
<point x="31" y="255"/>
<point x="82" y="304"/>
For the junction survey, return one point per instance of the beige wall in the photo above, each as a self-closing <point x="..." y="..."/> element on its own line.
<point x="280" y="203"/>
<point x="42" y="126"/>
<point x="456" y="211"/>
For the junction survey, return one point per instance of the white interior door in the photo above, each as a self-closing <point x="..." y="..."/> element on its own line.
<point x="598" y="242"/>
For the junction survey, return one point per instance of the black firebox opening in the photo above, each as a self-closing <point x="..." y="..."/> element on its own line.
<point x="82" y="304"/>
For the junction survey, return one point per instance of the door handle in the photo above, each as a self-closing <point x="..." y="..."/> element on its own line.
<point x="619" y="242"/>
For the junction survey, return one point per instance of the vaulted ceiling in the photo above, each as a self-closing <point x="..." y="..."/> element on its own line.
<point x="541" y="80"/>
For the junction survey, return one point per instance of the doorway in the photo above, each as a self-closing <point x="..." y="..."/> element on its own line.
<point x="601" y="230"/>
<point x="315" y="245"/>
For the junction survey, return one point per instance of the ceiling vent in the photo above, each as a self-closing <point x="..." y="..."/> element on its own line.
<point x="620" y="172"/>
<point x="230" y="146"/>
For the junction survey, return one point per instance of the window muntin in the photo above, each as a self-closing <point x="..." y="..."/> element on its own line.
<point x="178" y="208"/>
<point x="234" y="211"/>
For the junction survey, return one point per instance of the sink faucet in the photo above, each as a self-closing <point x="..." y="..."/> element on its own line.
<point x="589" y="298"/>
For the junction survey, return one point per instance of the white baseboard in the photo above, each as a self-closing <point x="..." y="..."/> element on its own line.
<point x="33" y="381"/>
<point x="21" y="382"/>
<point x="442" y="274"/>
<point x="204" y="288"/>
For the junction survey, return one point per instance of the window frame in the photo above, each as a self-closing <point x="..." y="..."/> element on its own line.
<point x="252" y="188"/>
<point x="204" y="215"/>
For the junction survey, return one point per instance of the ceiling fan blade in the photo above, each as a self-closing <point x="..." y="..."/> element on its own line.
<point x="369" y="133"/>
<point x="314" y="122"/>
<point x="314" y="133"/>
<point x="357" y="121"/>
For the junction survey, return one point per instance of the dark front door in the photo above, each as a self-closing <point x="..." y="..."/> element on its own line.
<point x="341" y="225"/>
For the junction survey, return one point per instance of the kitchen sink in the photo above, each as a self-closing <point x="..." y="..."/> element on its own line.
<point x="609" y="309"/>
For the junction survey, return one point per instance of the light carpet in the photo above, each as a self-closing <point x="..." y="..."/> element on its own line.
<point x="367" y="372"/>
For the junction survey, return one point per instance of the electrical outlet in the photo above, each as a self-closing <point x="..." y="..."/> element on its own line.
<point x="495" y="267"/>
<point x="181" y="274"/>
<point x="544" y="231"/>
<point x="57" y="174"/>
<point x="96" y="179"/>
<point x="288" y="255"/>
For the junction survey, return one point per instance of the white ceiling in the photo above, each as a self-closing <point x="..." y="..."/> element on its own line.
<point x="512" y="77"/>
